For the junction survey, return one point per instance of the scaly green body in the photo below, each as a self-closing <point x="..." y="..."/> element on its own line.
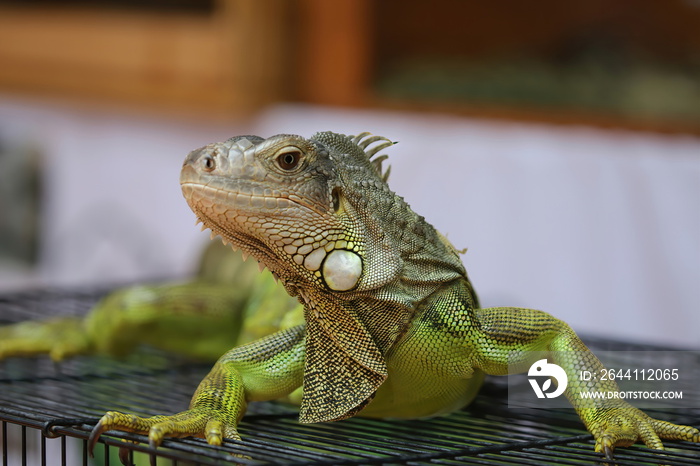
<point x="392" y="327"/>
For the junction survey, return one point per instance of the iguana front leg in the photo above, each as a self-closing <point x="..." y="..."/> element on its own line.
<point x="510" y="337"/>
<point x="266" y="369"/>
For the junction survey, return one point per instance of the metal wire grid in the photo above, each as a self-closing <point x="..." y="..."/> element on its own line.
<point x="47" y="411"/>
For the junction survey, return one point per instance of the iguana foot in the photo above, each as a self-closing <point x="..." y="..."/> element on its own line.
<point x="198" y="422"/>
<point x="622" y="427"/>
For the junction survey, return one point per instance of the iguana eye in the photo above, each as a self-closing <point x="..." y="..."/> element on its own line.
<point x="289" y="160"/>
<point x="208" y="163"/>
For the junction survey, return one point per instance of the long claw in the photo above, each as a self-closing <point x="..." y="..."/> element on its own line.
<point x="214" y="432"/>
<point x="157" y="434"/>
<point x="609" y="453"/>
<point x="97" y="431"/>
<point x="124" y="455"/>
<point x="153" y="443"/>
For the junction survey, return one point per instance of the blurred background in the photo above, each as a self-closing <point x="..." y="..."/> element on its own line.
<point x="558" y="141"/>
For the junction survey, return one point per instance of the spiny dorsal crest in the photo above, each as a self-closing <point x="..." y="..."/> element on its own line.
<point x="358" y="149"/>
<point x="364" y="140"/>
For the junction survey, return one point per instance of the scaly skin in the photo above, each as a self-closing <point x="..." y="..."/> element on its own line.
<point x="392" y="325"/>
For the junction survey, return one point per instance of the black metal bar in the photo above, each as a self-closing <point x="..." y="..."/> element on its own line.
<point x="64" y="446"/>
<point x="24" y="445"/>
<point x="85" y="452"/>
<point x="4" y="443"/>
<point x="42" y="450"/>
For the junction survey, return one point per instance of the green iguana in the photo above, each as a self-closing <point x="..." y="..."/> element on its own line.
<point x="391" y="325"/>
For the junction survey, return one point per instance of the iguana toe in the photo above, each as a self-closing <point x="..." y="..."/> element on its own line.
<point x="191" y="423"/>
<point x="624" y="427"/>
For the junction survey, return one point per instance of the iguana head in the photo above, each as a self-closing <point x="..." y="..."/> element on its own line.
<point x="272" y="198"/>
<point x="315" y="211"/>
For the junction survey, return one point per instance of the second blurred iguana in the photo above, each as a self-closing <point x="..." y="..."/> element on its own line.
<point x="227" y="302"/>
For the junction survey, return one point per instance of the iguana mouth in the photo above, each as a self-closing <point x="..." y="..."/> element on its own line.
<point x="235" y="201"/>
<point x="239" y="201"/>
